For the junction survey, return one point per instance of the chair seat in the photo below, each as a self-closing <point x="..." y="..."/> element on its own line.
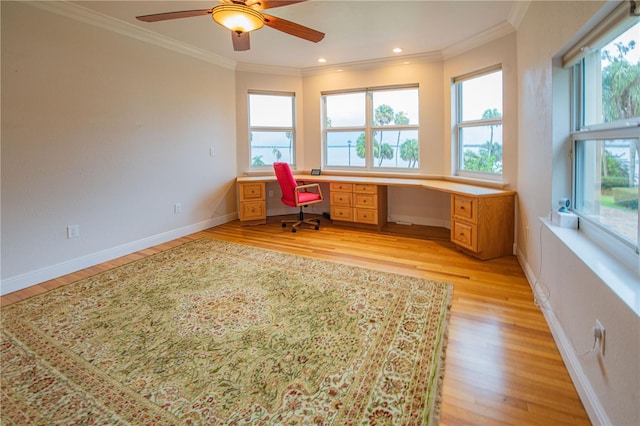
<point x="304" y="197"/>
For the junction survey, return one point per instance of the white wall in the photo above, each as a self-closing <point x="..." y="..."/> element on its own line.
<point x="106" y="132"/>
<point x="609" y="386"/>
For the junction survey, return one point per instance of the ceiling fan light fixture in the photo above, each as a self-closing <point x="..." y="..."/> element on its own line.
<point x="237" y="18"/>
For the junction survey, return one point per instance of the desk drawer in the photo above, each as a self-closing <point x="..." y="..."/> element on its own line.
<point x="366" y="188"/>
<point x="251" y="191"/>
<point x="465" y="235"/>
<point x="369" y="216"/>
<point x="464" y="208"/>
<point x="365" y="200"/>
<point x="342" y="213"/>
<point x="342" y="199"/>
<point x="252" y="210"/>
<point x="341" y="187"/>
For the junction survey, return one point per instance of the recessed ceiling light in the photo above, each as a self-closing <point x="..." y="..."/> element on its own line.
<point x="322" y="60"/>
<point x="397" y="50"/>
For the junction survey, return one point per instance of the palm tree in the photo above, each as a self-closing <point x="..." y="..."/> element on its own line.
<point x="380" y="151"/>
<point x="400" y="119"/>
<point x="409" y="151"/>
<point x="621" y="92"/>
<point x="277" y="153"/>
<point x="289" y="136"/>
<point x="487" y="115"/>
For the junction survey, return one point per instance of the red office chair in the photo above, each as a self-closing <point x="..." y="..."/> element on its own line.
<point x="295" y="195"/>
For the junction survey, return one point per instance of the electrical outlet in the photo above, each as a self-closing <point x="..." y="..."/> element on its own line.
<point x="599" y="333"/>
<point x="177" y="208"/>
<point x="73" y="231"/>
<point x="270" y="193"/>
<point x="212" y="152"/>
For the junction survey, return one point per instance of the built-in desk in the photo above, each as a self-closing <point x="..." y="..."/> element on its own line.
<point x="482" y="219"/>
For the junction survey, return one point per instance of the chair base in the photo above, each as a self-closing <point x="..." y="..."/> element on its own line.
<point x="299" y="221"/>
<point x="295" y="223"/>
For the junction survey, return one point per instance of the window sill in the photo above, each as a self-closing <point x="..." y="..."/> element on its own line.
<point x="622" y="279"/>
<point x="476" y="181"/>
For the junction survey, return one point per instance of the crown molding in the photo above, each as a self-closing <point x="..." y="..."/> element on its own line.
<point x="518" y="12"/>
<point x="268" y="69"/>
<point x="374" y="63"/>
<point x="479" y="39"/>
<point x="96" y="19"/>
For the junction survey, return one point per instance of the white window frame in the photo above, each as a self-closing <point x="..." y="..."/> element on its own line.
<point x="583" y="71"/>
<point x="368" y="129"/>
<point x="459" y="125"/>
<point x="274" y="129"/>
<point x="578" y="182"/>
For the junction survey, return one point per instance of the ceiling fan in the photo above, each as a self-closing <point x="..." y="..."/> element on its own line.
<point x="242" y="17"/>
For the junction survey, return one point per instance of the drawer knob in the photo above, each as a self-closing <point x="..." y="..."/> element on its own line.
<point x="461" y="207"/>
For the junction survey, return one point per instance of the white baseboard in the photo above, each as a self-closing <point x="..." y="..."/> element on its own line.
<point x="419" y="220"/>
<point x="588" y="396"/>
<point x="28" y="279"/>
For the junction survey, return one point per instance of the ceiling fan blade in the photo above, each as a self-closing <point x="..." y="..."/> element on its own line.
<point x="173" y="15"/>
<point x="293" y="28"/>
<point x="240" y="41"/>
<point x="270" y="4"/>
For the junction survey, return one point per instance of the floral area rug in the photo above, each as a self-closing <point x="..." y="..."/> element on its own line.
<point x="218" y="333"/>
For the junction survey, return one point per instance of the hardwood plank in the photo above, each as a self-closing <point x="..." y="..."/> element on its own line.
<point x="502" y="365"/>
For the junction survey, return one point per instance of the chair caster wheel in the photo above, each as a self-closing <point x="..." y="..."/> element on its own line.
<point x="317" y="227"/>
<point x="294" y="230"/>
<point x="284" y="225"/>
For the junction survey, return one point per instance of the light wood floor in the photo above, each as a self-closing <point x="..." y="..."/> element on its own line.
<point x="502" y="365"/>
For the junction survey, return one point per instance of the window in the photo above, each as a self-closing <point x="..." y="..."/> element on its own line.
<point x="371" y="129"/>
<point x="272" y="135"/>
<point x="478" y="124"/>
<point x="606" y="120"/>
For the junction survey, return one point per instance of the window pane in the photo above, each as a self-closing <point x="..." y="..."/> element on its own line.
<point x="611" y="77"/>
<point x="269" y="147"/>
<point x="345" y="149"/>
<point x="347" y="110"/>
<point x="395" y="107"/>
<point x="399" y="148"/>
<point x="481" y="97"/>
<point x="270" y="111"/>
<point x="481" y="148"/>
<point x="607" y="184"/>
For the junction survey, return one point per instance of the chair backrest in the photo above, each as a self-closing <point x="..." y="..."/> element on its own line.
<point x="287" y="182"/>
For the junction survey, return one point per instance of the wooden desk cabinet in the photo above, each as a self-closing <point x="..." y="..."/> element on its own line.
<point x="483" y="226"/>
<point x="482" y="219"/>
<point x="358" y="203"/>
<point x="253" y="206"/>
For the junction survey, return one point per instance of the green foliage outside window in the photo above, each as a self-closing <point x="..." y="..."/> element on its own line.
<point x="621" y="100"/>
<point x="407" y="151"/>
<point x="489" y="158"/>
